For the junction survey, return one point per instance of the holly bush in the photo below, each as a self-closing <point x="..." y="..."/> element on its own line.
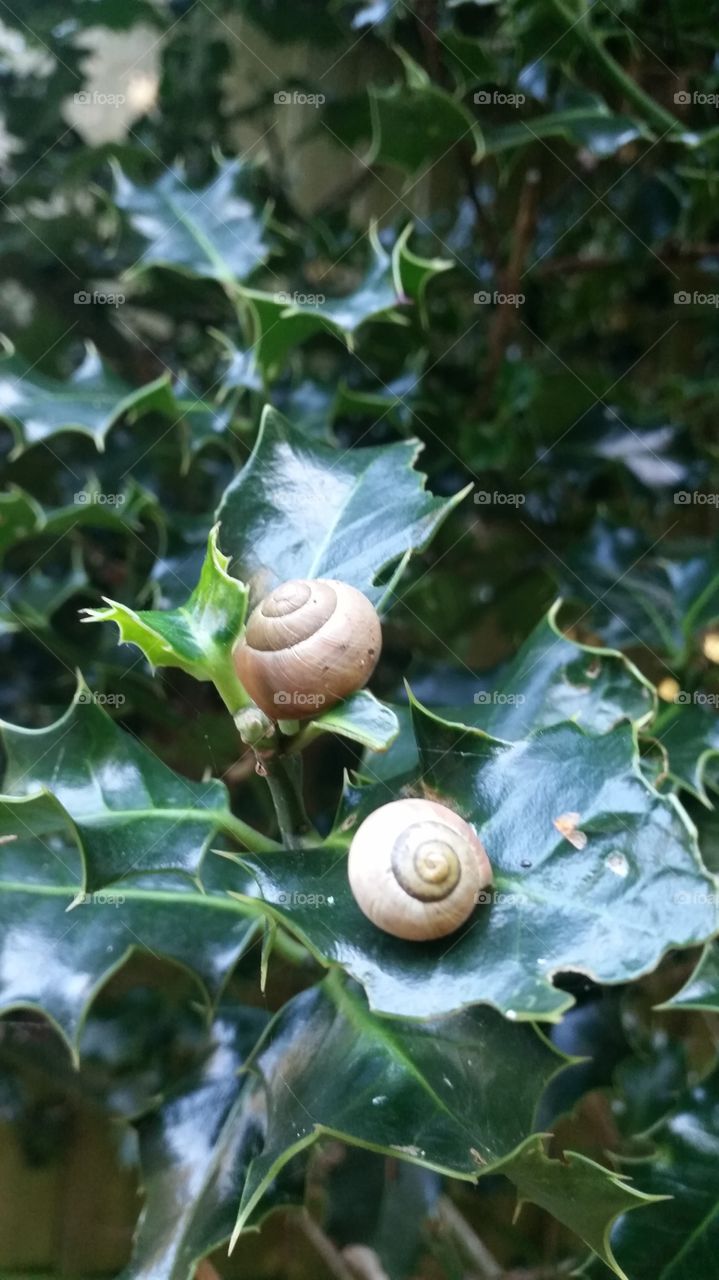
<point x="417" y="296"/>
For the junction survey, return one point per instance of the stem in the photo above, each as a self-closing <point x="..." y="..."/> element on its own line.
<point x="583" y="32"/>
<point x="246" y="835"/>
<point x="284" y="778"/>
<point x="229" y="688"/>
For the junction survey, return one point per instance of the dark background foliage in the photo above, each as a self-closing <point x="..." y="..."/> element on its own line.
<point x="547" y="331"/>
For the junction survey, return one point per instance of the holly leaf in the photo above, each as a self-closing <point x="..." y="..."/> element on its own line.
<point x="583" y="1195"/>
<point x="213" y="232"/>
<point x="414" y="124"/>
<point x="456" y="1095"/>
<point x="303" y="509"/>
<point x="679" y="1240"/>
<point x="701" y="990"/>
<point x="642" y="593"/>
<point x="361" y="718"/>
<point x="551" y="679"/>
<point x="589" y="124"/>
<point x="198" y="636"/>
<point x="689" y="733"/>
<point x="129" y="812"/>
<point x="194" y="1153"/>
<point x="594" y="872"/>
<point x="281" y="320"/>
<point x="36" y="407"/>
<point x="55" y="959"/>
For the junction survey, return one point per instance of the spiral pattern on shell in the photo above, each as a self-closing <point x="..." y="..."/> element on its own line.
<point x="308" y="644"/>
<point x="416" y="869"/>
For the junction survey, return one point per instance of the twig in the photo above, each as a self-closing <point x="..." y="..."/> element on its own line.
<point x="468" y="1241"/>
<point x="323" y="1246"/>
<point x="505" y="317"/>
<point x="284" y="779"/>
<point x="571" y="263"/>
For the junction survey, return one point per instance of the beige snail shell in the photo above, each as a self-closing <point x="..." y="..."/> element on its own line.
<point x="416" y="869"/>
<point x="308" y="644"/>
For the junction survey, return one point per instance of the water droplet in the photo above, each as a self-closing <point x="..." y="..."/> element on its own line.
<point x="618" y="864"/>
<point x="525" y="863"/>
<point x="381" y="1097"/>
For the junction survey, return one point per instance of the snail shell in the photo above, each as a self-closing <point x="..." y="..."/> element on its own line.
<point x="416" y="869"/>
<point x="308" y="644"/>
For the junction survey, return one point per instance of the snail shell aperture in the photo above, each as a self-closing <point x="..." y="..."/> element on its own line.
<point x="308" y="644"/>
<point x="416" y="869"/>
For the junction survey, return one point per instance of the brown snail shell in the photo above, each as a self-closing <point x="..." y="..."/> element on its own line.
<point x="308" y="644"/>
<point x="416" y="869"/>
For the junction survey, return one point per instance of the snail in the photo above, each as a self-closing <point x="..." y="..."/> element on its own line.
<point x="416" y="869"/>
<point x="308" y="644"/>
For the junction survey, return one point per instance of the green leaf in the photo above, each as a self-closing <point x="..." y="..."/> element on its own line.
<point x="701" y="990"/>
<point x="592" y="126"/>
<point x="213" y="232"/>
<point x="91" y="401"/>
<point x="415" y="124"/>
<point x="641" y="593"/>
<point x="456" y="1095"/>
<point x="302" y="509"/>
<point x="689" y="733"/>
<point x="194" y="1153"/>
<point x="198" y="637"/>
<point x="551" y="679"/>
<point x="579" y="1193"/>
<point x="55" y="960"/>
<point x="281" y="320"/>
<point x="678" y="1240"/>
<point x="128" y="810"/>
<point x="362" y="718"/>
<point x="609" y="909"/>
